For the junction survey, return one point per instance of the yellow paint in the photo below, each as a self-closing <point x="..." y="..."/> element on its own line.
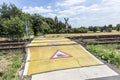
<point x="40" y="56"/>
<point x="49" y="39"/>
<point x="50" y="43"/>
<point x="50" y="65"/>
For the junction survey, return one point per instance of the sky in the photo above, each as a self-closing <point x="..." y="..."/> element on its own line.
<point x="79" y="12"/>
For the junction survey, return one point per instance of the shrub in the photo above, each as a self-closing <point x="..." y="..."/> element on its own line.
<point x="105" y="53"/>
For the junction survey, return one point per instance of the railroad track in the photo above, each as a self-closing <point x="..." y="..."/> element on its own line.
<point x="8" y="45"/>
<point x="96" y="37"/>
<point x="98" y="40"/>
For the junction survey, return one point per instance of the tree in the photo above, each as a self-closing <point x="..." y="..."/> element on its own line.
<point x="4" y="11"/>
<point x="69" y="29"/>
<point x="90" y="28"/>
<point x="118" y="27"/>
<point x="36" y="23"/>
<point x="110" y="28"/>
<point x="2" y="30"/>
<point x="56" y="24"/>
<point x="45" y="27"/>
<point x="10" y="10"/>
<point x="82" y="30"/>
<point x="105" y="28"/>
<point x="14" y="26"/>
<point x="101" y="29"/>
<point x="95" y="29"/>
<point x="50" y="22"/>
<point x="62" y="27"/>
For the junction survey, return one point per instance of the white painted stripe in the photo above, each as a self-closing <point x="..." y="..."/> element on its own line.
<point x="25" y="69"/>
<point x="27" y="62"/>
<point x="28" y="55"/>
<point x="28" y="45"/>
<point x="90" y="53"/>
<point x="31" y="42"/>
<point x="77" y="73"/>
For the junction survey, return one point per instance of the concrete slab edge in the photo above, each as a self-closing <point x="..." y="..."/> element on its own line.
<point x="27" y="60"/>
<point x="90" y="53"/>
<point x="26" y="63"/>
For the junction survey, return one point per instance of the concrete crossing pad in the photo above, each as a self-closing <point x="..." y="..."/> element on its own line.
<point x="41" y="56"/>
<point x="83" y="73"/>
<point x="61" y="58"/>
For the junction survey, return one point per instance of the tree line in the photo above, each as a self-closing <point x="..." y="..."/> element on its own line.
<point x="13" y="22"/>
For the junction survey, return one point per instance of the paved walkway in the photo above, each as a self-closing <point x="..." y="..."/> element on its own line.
<point x="61" y="58"/>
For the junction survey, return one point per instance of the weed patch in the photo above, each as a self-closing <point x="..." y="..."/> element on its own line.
<point x="13" y="61"/>
<point x="106" y="52"/>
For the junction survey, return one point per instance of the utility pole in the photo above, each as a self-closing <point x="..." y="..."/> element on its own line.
<point x="26" y="27"/>
<point x="66" y="24"/>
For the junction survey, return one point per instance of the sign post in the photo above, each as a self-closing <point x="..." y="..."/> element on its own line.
<point x="66" y="24"/>
<point x="26" y="27"/>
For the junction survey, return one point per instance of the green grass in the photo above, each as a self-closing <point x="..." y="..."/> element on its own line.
<point x="90" y="41"/>
<point x="14" y="60"/>
<point x="106" y="52"/>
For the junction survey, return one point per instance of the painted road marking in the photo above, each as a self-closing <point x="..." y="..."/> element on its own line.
<point x="49" y="40"/>
<point x="83" y="73"/>
<point x="60" y="54"/>
<point x="27" y="61"/>
<point x="40" y="56"/>
<point x="53" y="43"/>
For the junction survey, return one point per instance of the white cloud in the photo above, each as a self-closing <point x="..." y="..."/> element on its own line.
<point x="52" y="15"/>
<point x="106" y="12"/>
<point x="71" y="11"/>
<point x="39" y="10"/>
<point x="8" y="1"/>
<point x="49" y="7"/>
<point x="70" y="2"/>
<point x="46" y="12"/>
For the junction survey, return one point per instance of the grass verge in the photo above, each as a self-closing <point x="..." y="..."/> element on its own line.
<point x="12" y="61"/>
<point x="108" y="53"/>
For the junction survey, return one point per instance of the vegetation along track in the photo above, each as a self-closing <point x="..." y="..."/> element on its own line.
<point x="95" y="40"/>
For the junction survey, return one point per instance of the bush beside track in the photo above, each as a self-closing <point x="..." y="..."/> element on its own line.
<point x="108" y="53"/>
